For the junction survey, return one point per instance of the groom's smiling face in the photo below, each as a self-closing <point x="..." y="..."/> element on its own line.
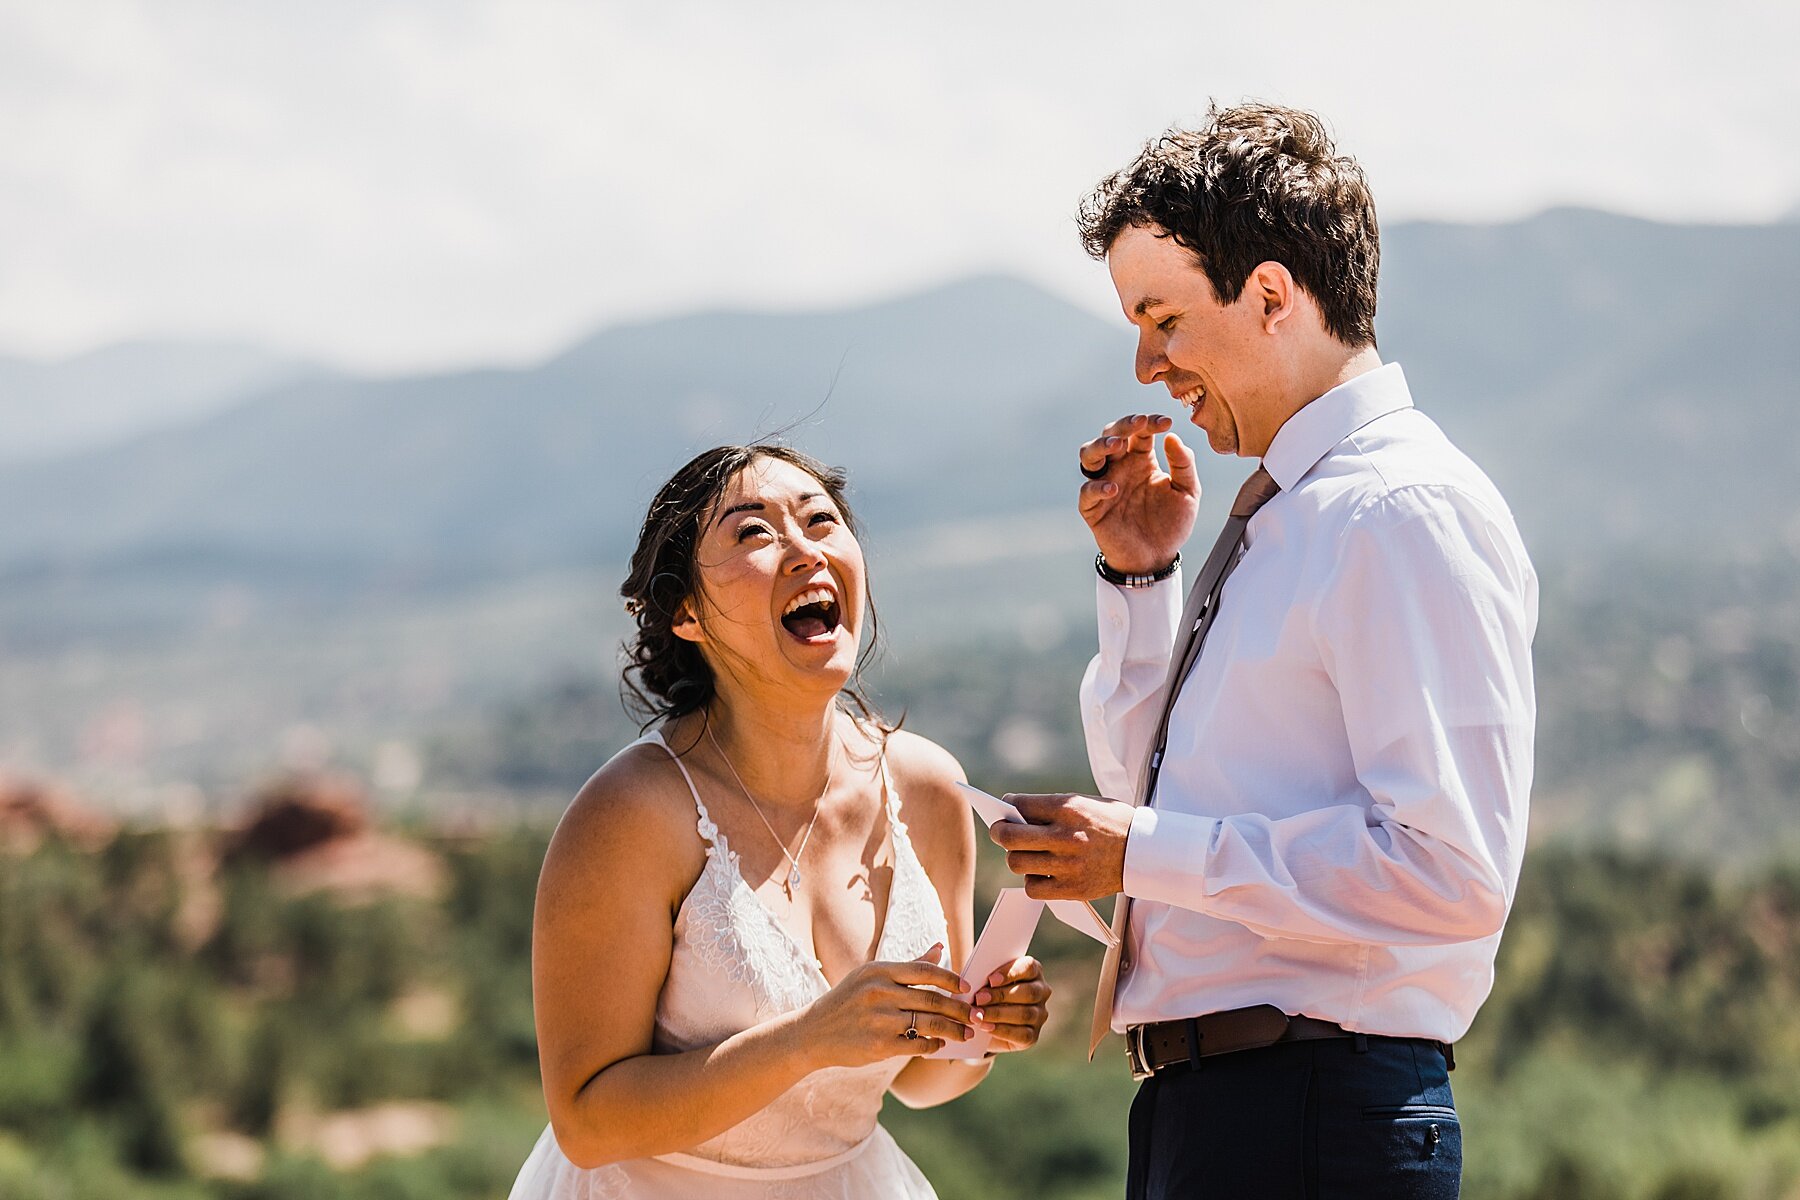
<point x="1206" y="353"/>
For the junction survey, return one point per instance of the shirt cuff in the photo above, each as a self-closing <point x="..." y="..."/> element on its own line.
<point x="1138" y="624"/>
<point x="1165" y="853"/>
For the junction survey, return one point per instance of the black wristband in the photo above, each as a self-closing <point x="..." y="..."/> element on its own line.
<point x="1125" y="580"/>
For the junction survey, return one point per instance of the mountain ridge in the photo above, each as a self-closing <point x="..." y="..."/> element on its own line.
<point x="55" y="406"/>
<point x="1594" y="364"/>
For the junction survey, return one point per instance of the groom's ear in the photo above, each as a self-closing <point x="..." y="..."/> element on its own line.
<point x="686" y="624"/>
<point x="1276" y="293"/>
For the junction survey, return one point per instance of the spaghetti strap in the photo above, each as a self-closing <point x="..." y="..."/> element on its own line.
<point x="890" y="798"/>
<point x="708" y="831"/>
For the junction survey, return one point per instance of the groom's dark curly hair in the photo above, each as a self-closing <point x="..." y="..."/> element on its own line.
<point x="1254" y="183"/>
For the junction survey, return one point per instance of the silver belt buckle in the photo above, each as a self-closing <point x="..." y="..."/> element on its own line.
<point x="1134" y="1054"/>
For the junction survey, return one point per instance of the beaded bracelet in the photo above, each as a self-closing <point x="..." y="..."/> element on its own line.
<point x="1124" y="580"/>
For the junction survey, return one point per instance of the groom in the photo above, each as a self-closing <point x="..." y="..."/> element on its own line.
<point x="1318" y="764"/>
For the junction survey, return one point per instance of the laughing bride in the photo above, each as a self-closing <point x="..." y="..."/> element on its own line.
<point x="741" y="917"/>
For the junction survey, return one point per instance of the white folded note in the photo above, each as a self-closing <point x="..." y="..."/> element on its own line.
<point x="1076" y="914"/>
<point x="1080" y="916"/>
<point x="989" y="808"/>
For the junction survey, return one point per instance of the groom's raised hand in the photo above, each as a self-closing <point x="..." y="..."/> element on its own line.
<point x="1071" y="848"/>
<point x="1139" y="514"/>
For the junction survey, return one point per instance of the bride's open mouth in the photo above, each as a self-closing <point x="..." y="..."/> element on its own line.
<point x="813" y="616"/>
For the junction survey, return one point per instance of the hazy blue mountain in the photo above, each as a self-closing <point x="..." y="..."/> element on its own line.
<point x="51" y="407"/>
<point x="970" y="385"/>
<point x="1625" y="382"/>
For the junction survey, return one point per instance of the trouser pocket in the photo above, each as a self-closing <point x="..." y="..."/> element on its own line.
<point x="1385" y="1128"/>
<point x="1433" y="1127"/>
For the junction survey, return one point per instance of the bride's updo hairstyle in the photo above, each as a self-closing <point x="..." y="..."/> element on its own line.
<point x="666" y="676"/>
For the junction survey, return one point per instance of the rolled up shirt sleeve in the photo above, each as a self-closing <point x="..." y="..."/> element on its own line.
<point x="1424" y="629"/>
<point x="1120" y="688"/>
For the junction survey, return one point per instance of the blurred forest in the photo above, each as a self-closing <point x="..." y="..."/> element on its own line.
<point x="177" y="1022"/>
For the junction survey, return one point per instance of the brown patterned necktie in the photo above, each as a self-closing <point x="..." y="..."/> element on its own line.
<point x="1196" y="620"/>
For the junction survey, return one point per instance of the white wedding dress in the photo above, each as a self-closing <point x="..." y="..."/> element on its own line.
<point x="735" y="965"/>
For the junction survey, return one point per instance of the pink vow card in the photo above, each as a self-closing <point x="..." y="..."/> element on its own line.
<point x="1006" y="936"/>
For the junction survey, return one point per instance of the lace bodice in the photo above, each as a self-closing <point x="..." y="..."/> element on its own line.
<point x="735" y="965"/>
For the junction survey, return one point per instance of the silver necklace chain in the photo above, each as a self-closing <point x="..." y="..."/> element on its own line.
<point x="793" y="876"/>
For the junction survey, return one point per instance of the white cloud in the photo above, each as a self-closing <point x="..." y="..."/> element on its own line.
<point x="400" y="183"/>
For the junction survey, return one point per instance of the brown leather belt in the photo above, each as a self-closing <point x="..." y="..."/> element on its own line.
<point x="1150" y="1048"/>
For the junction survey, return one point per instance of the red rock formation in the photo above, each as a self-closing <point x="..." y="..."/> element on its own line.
<point x="299" y="812"/>
<point x="315" y="834"/>
<point x="31" y="812"/>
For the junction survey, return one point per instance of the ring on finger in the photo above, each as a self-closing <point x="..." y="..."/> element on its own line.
<point x="912" y="1026"/>
<point x="1097" y="474"/>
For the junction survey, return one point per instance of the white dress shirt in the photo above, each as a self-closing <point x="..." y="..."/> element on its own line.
<point x="1340" y="815"/>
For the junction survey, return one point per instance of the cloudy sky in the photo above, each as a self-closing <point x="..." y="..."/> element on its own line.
<point x="405" y="184"/>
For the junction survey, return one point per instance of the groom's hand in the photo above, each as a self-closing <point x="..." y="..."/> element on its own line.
<point x="1072" y="849"/>
<point x="1139" y="514"/>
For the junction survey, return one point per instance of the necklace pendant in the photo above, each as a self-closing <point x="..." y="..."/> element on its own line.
<point x="793" y="881"/>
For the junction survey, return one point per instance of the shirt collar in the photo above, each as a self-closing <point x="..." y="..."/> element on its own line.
<point x="1310" y="433"/>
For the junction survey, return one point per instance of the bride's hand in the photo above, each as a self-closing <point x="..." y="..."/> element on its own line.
<point x="864" y="1018"/>
<point x="1013" y="1000"/>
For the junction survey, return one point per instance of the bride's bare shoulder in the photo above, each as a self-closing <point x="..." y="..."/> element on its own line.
<point x="925" y="775"/>
<point x="632" y="824"/>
